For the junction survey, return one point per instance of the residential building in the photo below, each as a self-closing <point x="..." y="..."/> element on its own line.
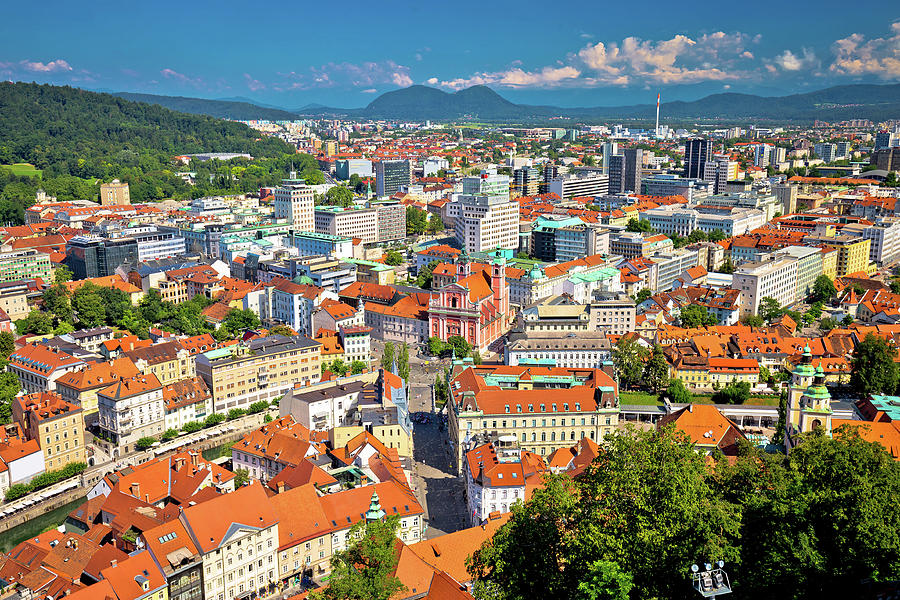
<point x="787" y="197"/>
<point x="486" y="222"/>
<point x="718" y="171"/>
<point x="38" y="367"/>
<point x="329" y="274"/>
<point x="186" y="401"/>
<point x="80" y="386"/>
<point x="391" y="218"/>
<point x="346" y="508"/>
<point x="20" y="459"/>
<point x="293" y="201"/>
<point x="773" y="278"/>
<point x="885" y="139"/>
<point x="762" y="155"/>
<point x="293" y="304"/>
<point x="613" y="313"/>
<point x="583" y="403"/>
<point x="555" y="314"/>
<point x="304" y="536"/>
<point x="571" y="350"/>
<point x="57" y="425"/>
<point x="14" y="298"/>
<point x="391" y="175"/>
<point x="440" y="253"/>
<point x="498" y="474"/>
<point x="178" y="557"/>
<point x="853" y="252"/>
<point x="632" y="244"/>
<point x="168" y="361"/>
<point x="261" y="369"/>
<point x="708" y="429"/>
<point x="326" y="405"/>
<point x="131" y="409"/>
<point x="885" y="238"/>
<point x="809" y="266"/>
<point x="237" y="536"/>
<point x="16" y="265"/>
<point x="312" y="243"/>
<point x="274" y="447"/>
<point x="827" y="152"/>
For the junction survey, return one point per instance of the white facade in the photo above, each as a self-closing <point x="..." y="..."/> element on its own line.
<point x="775" y="279"/>
<point x="348" y="223"/>
<point x="486" y="223"/>
<point x="132" y="417"/>
<point x="295" y="203"/>
<point x="245" y="561"/>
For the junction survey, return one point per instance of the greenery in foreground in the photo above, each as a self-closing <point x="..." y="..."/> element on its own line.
<point x="815" y="524"/>
<point x="46" y="479"/>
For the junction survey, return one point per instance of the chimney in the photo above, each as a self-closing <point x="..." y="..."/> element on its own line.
<point x="113" y="563"/>
<point x="136" y="489"/>
<point x="179" y="462"/>
<point x="194" y="456"/>
<point x="280" y="487"/>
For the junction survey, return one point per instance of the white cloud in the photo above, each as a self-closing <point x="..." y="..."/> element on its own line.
<point x="854" y="55"/>
<point x="173" y="74"/>
<point x="362" y="75"/>
<point x="516" y="77"/>
<point x="369" y="91"/>
<point x="54" y="66"/>
<point x="431" y="80"/>
<point x="788" y="61"/>
<point x="680" y="59"/>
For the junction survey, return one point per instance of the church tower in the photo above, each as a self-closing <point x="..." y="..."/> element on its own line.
<point x="801" y="378"/>
<point x="815" y="405"/>
<point x="462" y="265"/>
<point x="498" y="283"/>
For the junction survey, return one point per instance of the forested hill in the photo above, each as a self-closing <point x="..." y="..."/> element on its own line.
<point x="78" y="137"/>
<point x="222" y="109"/>
<point x="56" y="127"/>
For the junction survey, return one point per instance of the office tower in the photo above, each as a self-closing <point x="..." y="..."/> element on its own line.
<point x="885" y="139"/>
<point x="625" y="171"/>
<point x="696" y="153"/>
<point x="390" y="176"/>
<point x="294" y="202"/>
<point x="609" y="149"/>
<point x="827" y="152"/>
<point x="718" y="170"/>
<point x="762" y="155"/>
<point x="114" y="193"/>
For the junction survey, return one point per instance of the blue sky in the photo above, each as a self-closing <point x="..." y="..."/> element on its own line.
<point x="345" y="53"/>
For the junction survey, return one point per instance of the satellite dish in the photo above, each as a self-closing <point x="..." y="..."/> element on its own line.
<point x="708" y="566"/>
<point x="695" y="568"/>
<point x="721" y="563"/>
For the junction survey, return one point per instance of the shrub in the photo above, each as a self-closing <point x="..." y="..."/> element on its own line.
<point x="234" y="413"/>
<point x="144" y="443"/>
<point x="257" y="407"/>
<point x="213" y="419"/>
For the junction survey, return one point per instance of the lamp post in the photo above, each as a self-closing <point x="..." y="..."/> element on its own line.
<point x="712" y="581"/>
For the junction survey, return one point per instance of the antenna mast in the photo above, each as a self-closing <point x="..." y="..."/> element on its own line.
<point x="657" y="116"/>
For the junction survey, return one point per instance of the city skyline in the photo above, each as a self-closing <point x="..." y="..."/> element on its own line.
<point x="599" y="58"/>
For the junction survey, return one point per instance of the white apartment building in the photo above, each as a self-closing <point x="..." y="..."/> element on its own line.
<point x="773" y="278"/>
<point x="885" y="235"/>
<point x="237" y="536"/>
<point x="131" y="409"/>
<point x="294" y="202"/>
<point x="359" y="223"/>
<point x="737" y="221"/>
<point x="496" y="476"/>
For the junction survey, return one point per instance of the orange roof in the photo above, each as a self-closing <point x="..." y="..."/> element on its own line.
<point x="706" y="426"/>
<point x="212" y="521"/>
<point x="886" y="433"/>
<point x="347" y="507"/>
<point x="133" y="386"/>
<point x="129" y="577"/>
<point x="99" y="374"/>
<point x="296" y="526"/>
<point x="448" y="553"/>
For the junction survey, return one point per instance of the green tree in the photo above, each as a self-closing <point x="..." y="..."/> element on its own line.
<point x="357" y="367"/>
<point x="89" y="305"/>
<point x="393" y="258"/>
<point x="237" y="320"/>
<point x="695" y="315"/>
<point x="145" y="443"/>
<point x="461" y="347"/>
<point x="647" y="504"/>
<point x="716" y="235"/>
<point x="169" y="434"/>
<point x="643" y="295"/>
<point x="769" y="309"/>
<point x="365" y="570"/>
<point x="403" y="362"/>
<point x="282" y="330"/>
<point x="36" y="322"/>
<point x="57" y="300"/>
<point x="435" y="224"/>
<point x="656" y="370"/>
<point x="895" y="286"/>
<point x="476" y="357"/>
<point x="416" y="221"/>
<point x="388" y="357"/>
<point x="827" y="324"/>
<point x="873" y="367"/>
<point x="639" y="226"/>
<point x="847" y="321"/>
<point x="7" y="345"/>
<point x="338" y="367"/>
<point x="628" y="358"/>
<point x="736" y="392"/>
<point x="823" y="289"/>
<point x="339" y="196"/>
<point x="423" y="279"/>
<point x="241" y="477"/>
<point x="436" y="346"/>
<point x="677" y="393"/>
<point x="753" y="321"/>
<point x="9" y="387"/>
<point x="62" y="274"/>
<point x="727" y="267"/>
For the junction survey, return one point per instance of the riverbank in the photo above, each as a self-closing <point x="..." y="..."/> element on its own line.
<point x="50" y="517"/>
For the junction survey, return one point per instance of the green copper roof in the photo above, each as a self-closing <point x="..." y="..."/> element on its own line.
<point x="804" y="370"/>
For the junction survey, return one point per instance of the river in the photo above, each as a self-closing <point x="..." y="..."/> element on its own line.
<point x="28" y="529"/>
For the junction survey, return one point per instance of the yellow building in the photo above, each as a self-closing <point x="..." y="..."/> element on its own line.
<point x="114" y="193"/>
<point x="262" y="369"/>
<point x="169" y="361"/>
<point x="829" y="262"/>
<point x="80" y="387"/>
<point x="57" y="425"/>
<point x="544" y="408"/>
<point x="693" y="372"/>
<point x="852" y="252"/>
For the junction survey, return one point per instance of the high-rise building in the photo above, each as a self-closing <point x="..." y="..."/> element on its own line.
<point x="609" y="149"/>
<point x="625" y="171"/>
<point x="294" y="201"/>
<point x="885" y="139"/>
<point x="787" y="197"/>
<point x="114" y="192"/>
<point x="391" y="175"/>
<point x="696" y="153"/>
<point x="762" y="155"/>
<point x="827" y="152"/>
<point x="887" y="159"/>
<point x="568" y="186"/>
<point x="719" y="171"/>
<point x="487" y="218"/>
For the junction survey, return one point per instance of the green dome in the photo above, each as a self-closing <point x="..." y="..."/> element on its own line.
<point x="804" y="370"/>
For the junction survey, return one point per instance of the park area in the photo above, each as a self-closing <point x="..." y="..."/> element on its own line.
<point x="23" y="170"/>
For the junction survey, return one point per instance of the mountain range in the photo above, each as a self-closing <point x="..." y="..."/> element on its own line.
<point x="481" y="103"/>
